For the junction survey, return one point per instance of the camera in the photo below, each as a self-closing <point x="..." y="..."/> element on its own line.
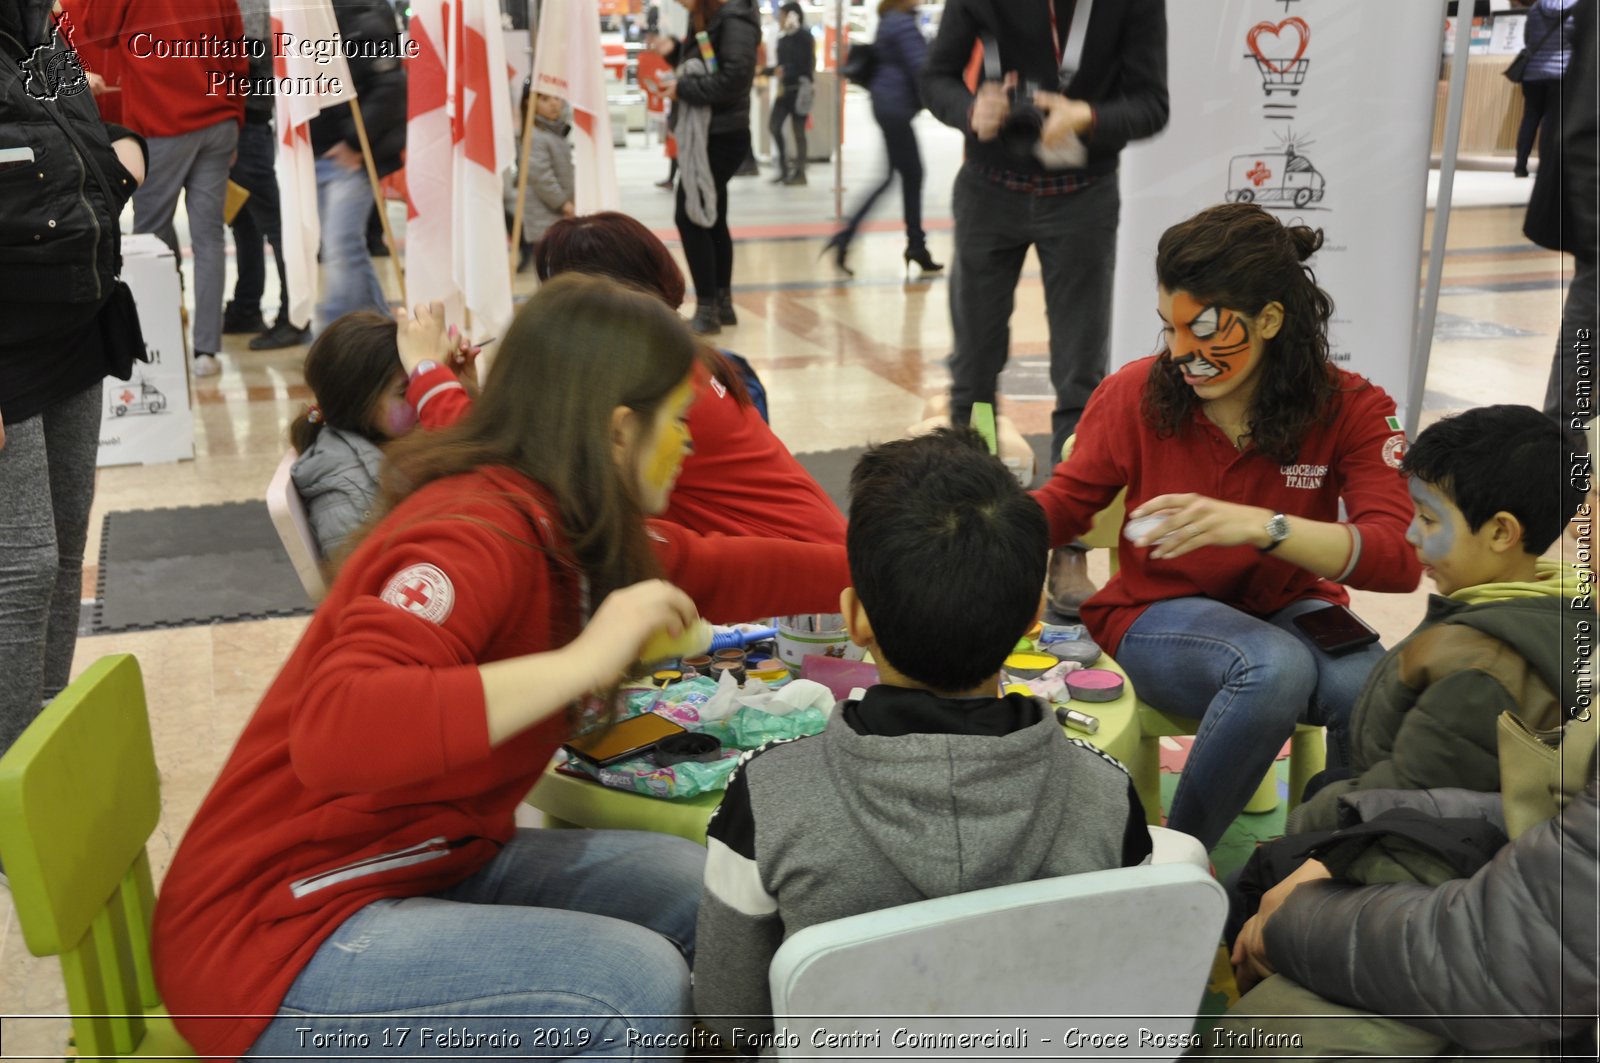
<point x="1020" y="132"/>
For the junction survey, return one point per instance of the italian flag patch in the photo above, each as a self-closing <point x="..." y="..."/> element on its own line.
<point x="1393" y="423"/>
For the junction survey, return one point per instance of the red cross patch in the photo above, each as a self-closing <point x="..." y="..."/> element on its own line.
<point x="1394" y="450"/>
<point x="423" y="590"/>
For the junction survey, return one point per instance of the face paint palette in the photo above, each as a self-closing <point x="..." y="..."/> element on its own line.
<point x="1094" y="684"/>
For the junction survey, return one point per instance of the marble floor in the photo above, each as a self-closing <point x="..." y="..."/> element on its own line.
<point x="845" y="361"/>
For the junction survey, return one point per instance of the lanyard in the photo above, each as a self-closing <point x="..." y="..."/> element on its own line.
<point x="1073" y="60"/>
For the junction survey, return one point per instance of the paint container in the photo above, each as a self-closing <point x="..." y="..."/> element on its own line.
<point x="1023" y="646"/>
<point x="769" y="671"/>
<point x="1094" y="684"/>
<point x="692" y="746"/>
<point x="1028" y="665"/>
<point x="1080" y="651"/>
<point x="666" y="677"/>
<point x="733" y="668"/>
<point x="1035" y="631"/>
<point x="814" y="634"/>
<point x="700" y="664"/>
<point x="736" y="656"/>
<point x="1017" y="688"/>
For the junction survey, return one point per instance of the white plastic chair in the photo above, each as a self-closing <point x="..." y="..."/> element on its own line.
<point x="288" y="512"/>
<point x="1134" y="943"/>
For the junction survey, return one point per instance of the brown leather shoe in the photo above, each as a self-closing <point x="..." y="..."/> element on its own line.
<point x="1068" y="582"/>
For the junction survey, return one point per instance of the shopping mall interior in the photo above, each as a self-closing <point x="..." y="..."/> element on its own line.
<point x="846" y="361"/>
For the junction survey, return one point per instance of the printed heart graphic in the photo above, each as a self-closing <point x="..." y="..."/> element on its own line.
<point x="1277" y="64"/>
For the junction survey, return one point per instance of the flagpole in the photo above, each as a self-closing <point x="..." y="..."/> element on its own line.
<point x="377" y="197"/>
<point x="522" y="170"/>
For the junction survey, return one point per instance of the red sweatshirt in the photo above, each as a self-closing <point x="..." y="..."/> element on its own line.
<point x="740" y="480"/>
<point x="1353" y="453"/>
<point x="180" y="60"/>
<point x="347" y="784"/>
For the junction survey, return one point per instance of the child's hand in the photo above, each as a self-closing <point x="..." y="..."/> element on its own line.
<point x="568" y="209"/>
<point x="421" y="336"/>
<point x="1250" y="963"/>
<point x="626" y="619"/>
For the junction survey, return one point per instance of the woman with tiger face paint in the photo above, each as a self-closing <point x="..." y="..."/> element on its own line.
<point x="1243" y="439"/>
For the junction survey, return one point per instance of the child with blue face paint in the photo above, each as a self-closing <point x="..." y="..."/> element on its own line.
<point x="359" y="387"/>
<point x="1493" y="490"/>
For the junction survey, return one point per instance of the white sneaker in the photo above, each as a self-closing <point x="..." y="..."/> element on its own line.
<point x="206" y="365"/>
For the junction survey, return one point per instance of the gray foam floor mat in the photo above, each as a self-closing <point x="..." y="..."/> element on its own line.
<point x="831" y="468"/>
<point x="162" y="568"/>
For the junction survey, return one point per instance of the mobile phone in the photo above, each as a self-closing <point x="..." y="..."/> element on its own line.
<point x="630" y="738"/>
<point x="1336" y="629"/>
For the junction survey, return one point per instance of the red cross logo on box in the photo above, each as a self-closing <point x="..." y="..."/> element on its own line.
<point x="423" y="590"/>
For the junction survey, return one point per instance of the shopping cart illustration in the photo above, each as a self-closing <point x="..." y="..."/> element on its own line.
<point x="1278" y="76"/>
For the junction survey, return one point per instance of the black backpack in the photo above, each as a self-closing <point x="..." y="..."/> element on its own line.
<point x="860" y="63"/>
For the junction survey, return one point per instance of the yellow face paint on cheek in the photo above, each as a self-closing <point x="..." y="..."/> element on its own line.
<point x="672" y="441"/>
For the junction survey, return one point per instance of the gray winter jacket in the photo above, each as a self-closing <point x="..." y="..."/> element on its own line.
<point x="847" y="822"/>
<point x="1517" y="941"/>
<point x="551" y="183"/>
<point x="337" y="477"/>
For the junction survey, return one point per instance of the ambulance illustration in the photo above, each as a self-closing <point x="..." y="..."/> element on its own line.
<point x="1274" y="178"/>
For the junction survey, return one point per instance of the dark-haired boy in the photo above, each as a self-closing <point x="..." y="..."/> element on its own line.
<point x="930" y="784"/>
<point x="1493" y="489"/>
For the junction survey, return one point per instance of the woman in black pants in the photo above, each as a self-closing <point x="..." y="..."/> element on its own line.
<point x="797" y="63"/>
<point x="730" y="31"/>
<point x="899" y="54"/>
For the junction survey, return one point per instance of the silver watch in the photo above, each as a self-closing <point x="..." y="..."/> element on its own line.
<point x="1277" y="532"/>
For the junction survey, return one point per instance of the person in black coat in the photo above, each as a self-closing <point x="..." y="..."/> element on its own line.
<point x="60" y="254"/>
<point x="1562" y="216"/>
<point x="898" y="57"/>
<point x="731" y="29"/>
<point x="1059" y="196"/>
<point x="797" y="64"/>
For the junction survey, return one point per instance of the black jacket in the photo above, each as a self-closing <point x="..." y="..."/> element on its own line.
<point x="734" y="30"/>
<point x="58" y="232"/>
<point x="1562" y="209"/>
<point x="797" y="54"/>
<point x="380" y="86"/>
<point x="59" y="240"/>
<point x="1124" y="71"/>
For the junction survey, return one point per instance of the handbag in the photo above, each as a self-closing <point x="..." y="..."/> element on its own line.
<point x="860" y="63"/>
<point x="1517" y="69"/>
<point x="1541" y="772"/>
<point x="805" y="96"/>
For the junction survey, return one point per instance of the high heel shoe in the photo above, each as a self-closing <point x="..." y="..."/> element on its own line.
<point x="839" y="244"/>
<point x="923" y="259"/>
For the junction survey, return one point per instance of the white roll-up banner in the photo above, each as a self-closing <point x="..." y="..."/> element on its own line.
<point x="1321" y="111"/>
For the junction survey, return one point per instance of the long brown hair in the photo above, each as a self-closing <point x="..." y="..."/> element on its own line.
<point x="1239" y="256"/>
<point x="578" y="349"/>
<point x="616" y="245"/>
<point x="348" y="369"/>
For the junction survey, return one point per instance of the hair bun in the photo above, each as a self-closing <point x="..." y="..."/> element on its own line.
<point x="1305" y="239"/>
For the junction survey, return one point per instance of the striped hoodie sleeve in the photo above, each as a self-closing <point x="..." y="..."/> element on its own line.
<point x="739" y="928"/>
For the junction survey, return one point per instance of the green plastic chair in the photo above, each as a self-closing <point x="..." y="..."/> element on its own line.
<point x="79" y="797"/>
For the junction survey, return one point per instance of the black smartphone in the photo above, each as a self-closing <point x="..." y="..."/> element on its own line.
<point x="1336" y="629"/>
<point x="631" y="738"/>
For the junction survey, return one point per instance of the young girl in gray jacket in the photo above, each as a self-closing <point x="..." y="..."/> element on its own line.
<point x="551" y="184"/>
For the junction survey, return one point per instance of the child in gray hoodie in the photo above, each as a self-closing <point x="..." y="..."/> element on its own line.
<point x="930" y="784"/>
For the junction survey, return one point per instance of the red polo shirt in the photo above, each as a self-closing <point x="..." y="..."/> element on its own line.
<point x="1353" y="453"/>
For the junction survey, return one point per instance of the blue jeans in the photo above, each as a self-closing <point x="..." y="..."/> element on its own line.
<point x="573" y="941"/>
<point x="344" y="199"/>
<point x="1248" y="682"/>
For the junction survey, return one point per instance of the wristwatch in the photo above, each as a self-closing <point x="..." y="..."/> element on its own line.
<point x="1277" y="532"/>
<point x="427" y="365"/>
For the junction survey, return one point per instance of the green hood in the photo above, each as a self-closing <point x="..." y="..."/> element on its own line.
<point x="1538" y="619"/>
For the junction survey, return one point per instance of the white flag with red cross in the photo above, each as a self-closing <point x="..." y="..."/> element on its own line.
<point x="568" y="62"/>
<point x="299" y="30"/>
<point x="458" y="141"/>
